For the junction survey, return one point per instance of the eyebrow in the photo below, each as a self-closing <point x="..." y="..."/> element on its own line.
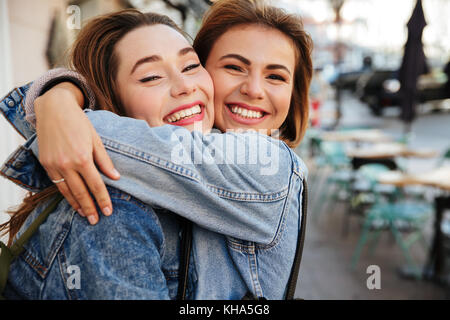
<point x="248" y="63"/>
<point x="278" y="66"/>
<point x="155" y="58"/>
<point x="236" y="56"/>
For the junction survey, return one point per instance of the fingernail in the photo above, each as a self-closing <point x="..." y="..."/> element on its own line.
<point x="81" y="213"/>
<point x="92" y="219"/>
<point x="106" y="211"/>
<point x="116" y="173"/>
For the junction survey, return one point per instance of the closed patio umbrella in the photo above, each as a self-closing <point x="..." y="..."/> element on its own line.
<point x="413" y="65"/>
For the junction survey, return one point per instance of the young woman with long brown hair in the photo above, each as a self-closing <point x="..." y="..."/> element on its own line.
<point x="246" y="103"/>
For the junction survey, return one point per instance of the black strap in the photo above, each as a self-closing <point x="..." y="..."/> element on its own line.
<point x="186" y="244"/>
<point x="300" y="242"/>
<point x="185" y="253"/>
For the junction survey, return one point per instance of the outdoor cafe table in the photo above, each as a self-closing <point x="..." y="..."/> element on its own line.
<point x="437" y="178"/>
<point x="362" y="135"/>
<point x="385" y="153"/>
<point x="389" y="150"/>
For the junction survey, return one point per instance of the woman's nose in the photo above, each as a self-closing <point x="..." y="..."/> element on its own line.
<point x="182" y="86"/>
<point x="252" y="88"/>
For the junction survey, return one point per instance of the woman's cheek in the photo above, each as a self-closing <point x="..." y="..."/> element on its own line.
<point x="145" y="105"/>
<point x="284" y="99"/>
<point x="221" y="82"/>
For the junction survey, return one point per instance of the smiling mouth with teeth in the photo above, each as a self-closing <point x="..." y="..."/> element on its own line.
<point x="245" y="113"/>
<point x="184" y="114"/>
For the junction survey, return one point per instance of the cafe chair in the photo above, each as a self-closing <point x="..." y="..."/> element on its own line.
<point x="403" y="217"/>
<point x="334" y="164"/>
<point x="365" y="190"/>
<point x="444" y="159"/>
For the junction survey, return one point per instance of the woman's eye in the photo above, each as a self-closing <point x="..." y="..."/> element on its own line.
<point x="233" y="67"/>
<point x="151" y="78"/>
<point x="192" y="66"/>
<point x="276" y="77"/>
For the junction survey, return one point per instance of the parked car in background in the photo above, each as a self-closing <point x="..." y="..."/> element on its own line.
<point x="380" y="89"/>
<point x="348" y="80"/>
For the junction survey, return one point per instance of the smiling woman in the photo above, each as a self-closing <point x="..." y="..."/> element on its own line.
<point x="151" y="67"/>
<point x="278" y="58"/>
<point x="152" y="86"/>
<point x="253" y="84"/>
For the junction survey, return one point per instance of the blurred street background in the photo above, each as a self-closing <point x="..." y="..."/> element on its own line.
<point x="378" y="146"/>
<point x="326" y="271"/>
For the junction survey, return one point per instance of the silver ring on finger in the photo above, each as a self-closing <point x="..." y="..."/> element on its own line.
<point x="58" y="181"/>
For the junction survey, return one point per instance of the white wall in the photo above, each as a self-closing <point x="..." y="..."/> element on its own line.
<point x="24" y="27"/>
<point x="9" y="193"/>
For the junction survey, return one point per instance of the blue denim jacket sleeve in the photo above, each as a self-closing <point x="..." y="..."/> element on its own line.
<point x="233" y="184"/>
<point x="227" y="192"/>
<point x="12" y="108"/>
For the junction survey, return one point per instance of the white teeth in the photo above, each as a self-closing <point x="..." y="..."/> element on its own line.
<point x="245" y="112"/>
<point x="184" y="113"/>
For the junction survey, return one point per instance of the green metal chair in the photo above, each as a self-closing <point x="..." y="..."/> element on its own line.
<point x="366" y="188"/>
<point x="444" y="158"/>
<point x="398" y="215"/>
<point x="335" y="186"/>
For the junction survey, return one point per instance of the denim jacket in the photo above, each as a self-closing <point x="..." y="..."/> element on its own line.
<point x="245" y="202"/>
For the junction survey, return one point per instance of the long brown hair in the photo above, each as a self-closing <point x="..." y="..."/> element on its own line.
<point x="226" y="14"/>
<point x="93" y="56"/>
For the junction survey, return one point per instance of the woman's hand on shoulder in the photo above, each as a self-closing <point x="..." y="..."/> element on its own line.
<point x="69" y="148"/>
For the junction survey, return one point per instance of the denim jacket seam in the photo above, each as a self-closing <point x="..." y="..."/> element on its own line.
<point x="239" y="246"/>
<point x="12" y="124"/>
<point x="11" y="164"/>
<point x="13" y="158"/>
<point x="171" y="273"/>
<point x="18" y="182"/>
<point x="61" y="237"/>
<point x="253" y="264"/>
<point x="43" y="264"/>
<point x="185" y="172"/>
<point x="286" y="206"/>
<point x="250" y="251"/>
<point x="34" y="263"/>
<point x="21" y="106"/>
<point x="282" y="222"/>
<point x="244" y="196"/>
<point x="300" y="175"/>
<point x="115" y="146"/>
<point x="282" y="225"/>
<point x="71" y="294"/>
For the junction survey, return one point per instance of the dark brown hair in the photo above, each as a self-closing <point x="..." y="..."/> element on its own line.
<point x="226" y="14"/>
<point x="93" y="56"/>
